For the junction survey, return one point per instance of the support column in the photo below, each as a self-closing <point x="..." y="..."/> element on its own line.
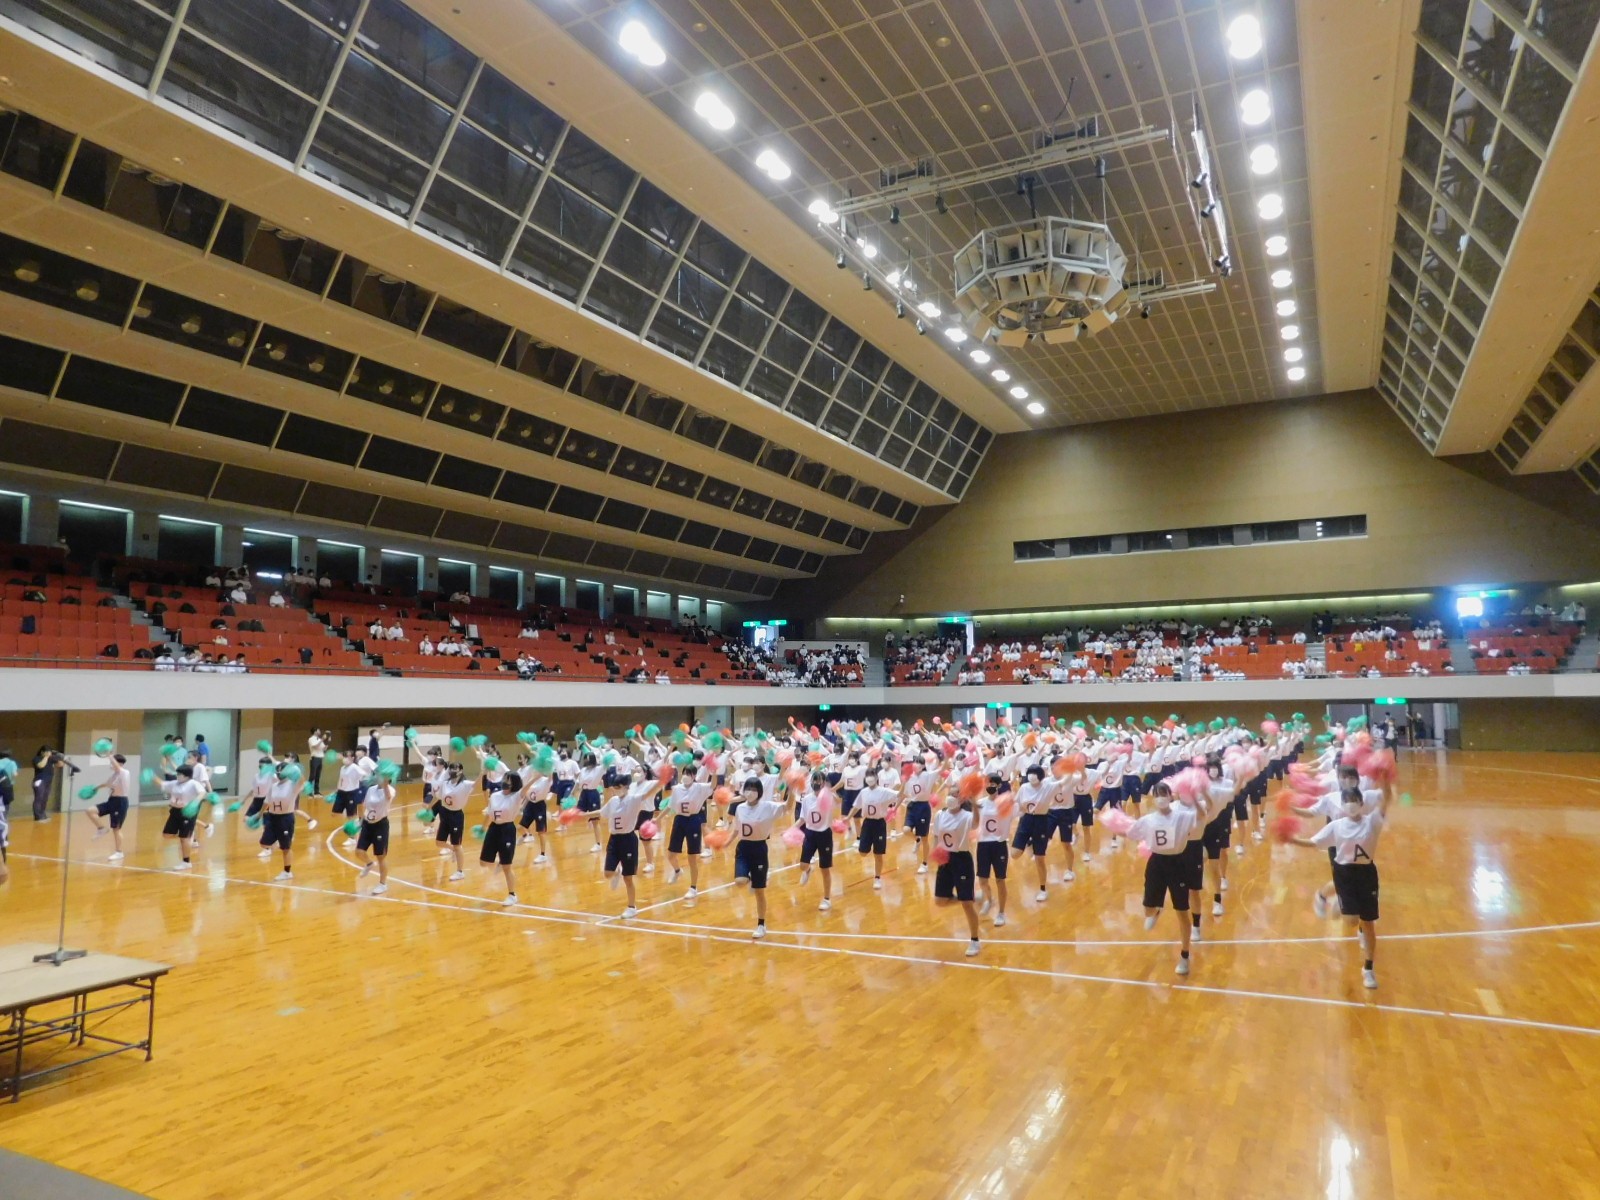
<point x="255" y="725"/>
<point x="608" y="601"/>
<point x="428" y="580"/>
<point x="372" y="564"/>
<point x="44" y="521"/>
<point x="146" y="534"/>
<point x="232" y="546"/>
<point x="84" y="728"/>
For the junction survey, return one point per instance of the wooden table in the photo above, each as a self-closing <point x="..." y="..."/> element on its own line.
<point x="26" y="985"/>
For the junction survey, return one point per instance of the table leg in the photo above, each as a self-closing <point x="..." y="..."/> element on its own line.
<point x="16" y="1070"/>
<point x="150" y="1030"/>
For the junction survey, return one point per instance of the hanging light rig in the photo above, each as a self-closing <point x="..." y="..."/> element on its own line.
<point x="1050" y="279"/>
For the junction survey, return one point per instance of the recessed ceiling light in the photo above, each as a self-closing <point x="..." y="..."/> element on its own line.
<point x="1282" y="279"/>
<point x="979" y="356"/>
<point x="1255" y="106"/>
<point x="893" y="279"/>
<point x="956" y="334"/>
<point x="772" y="164"/>
<point x="1000" y="375"/>
<point x="1036" y="409"/>
<point x="823" y="211"/>
<point x="1277" y="246"/>
<point x="1296" y="374"/>
<point x="638" y="41"/>
<point x="1019" y="393"/>
<point x="1289" y="332"/>
<point x="1293" y="354"/>
<point x="1286" y="308"/>
<point x="1244" y="36"/>
<point x="714" y="111"/>
<point x="1270" y="206"/>
<point x="1264" y="159"/>
<point x="930" y="310"/>
<point x="869" y="249"/>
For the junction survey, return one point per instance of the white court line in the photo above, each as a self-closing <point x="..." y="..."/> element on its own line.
<point x="1034" y="972"/>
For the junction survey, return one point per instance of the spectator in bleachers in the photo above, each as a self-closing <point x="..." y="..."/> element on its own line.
<point x="277" y="600"/>
<point x="425" y="646"/>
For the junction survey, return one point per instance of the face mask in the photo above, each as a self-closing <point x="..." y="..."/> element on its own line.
<point x="1353" y="811"/>
<point x="1164" y="803"/>
<point x="951" y="803"/>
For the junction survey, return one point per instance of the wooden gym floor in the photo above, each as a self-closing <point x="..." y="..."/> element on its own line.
<point x="316" y="1042"/>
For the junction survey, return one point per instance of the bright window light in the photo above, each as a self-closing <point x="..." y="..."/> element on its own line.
<point x="1282" y="279"/>
<point x="1293" y="354"/>
<point x="1000" y="376"/>
<point x="1270" y="206"/>
<point x="1255" y="107"/>
<point x="1469" y="606"/>
<point x="1036" y="409"/>
<point x="1286" y="308"/>
<point x="1277" y="246"/>
<point x="638" y="41"/>
<point x="823" y="211"/>
<point x="1296" y="374"/>
<point x="1263" y="159"/>
<point x="1289" y="332"/>
<point x="714" y="111"/>
<point x="1244" y="36"/>
<point x="979" y="356"/>
<point x="1019" y="393"/>
<point x="956" y="334"/>
<point x="772" y="164"/>
<point x="930" y="310"/>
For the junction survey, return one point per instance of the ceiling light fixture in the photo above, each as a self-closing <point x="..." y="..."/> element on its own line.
<point x="1296" y="374"/>
<point x="979" y="356"/>
<point x="714" y="111"/>
<point x="1270" y="206"/>
<point x="772" y="164"/>
<point x="1000" y="375"/>
<point x="1036" y="409"/>
<point x="1255" y="107"/>
<point x="1019" y="393"/>
<point x="823" y="211"/>
<point x="1277" y="246"/>
<point x="1286" y="308"/>
<point x="1282" y="278"/>
<point x="956" y="334"/>
<point x="1293" y="354"/>
<point x="930" y="310"/>
<point x="1264" y="159"/>
<point x="638" y="41"/>
<point x="892" y="279"/>
<point x="869" y="249"/>
<point x="1289" y="332"/>
<point x="1244" y="36"/>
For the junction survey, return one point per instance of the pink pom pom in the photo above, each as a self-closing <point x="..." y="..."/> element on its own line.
<point x="841" y="825"/>
<point x="1117" y="821"/>
<point x="794" y="836"/>
<point x="825" y="799"/>
<point x="939" y="855"/>
<point x="1284" y="828"/>
<point x="785" y="757"/>
<point x="1271" y="728"/>
<point x="1379" y="767"/>
<point x="1144" y="850"/>
<point x="648" y="830"/>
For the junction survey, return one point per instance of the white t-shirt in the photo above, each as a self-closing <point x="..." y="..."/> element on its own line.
<point x="920" y="786"/>
<point x="180" y="792"/>
<point x="690" y="798"/>
<point x="1355" y="840"/>
<point x="375" y="804"/>
<point x="755" y="819"/>
<point x="811" y="815"/>
<point x="992" y="827"/>
<point x="281" y="796"/>
<point x="453" y="796"/>
<point x="951" y="829"/>
<point x="873" y="803"/>
<point x="121" y="779"/>
<point x="621" y="813"/>
<point x="1165" y="833"/>
<point x="1035" y="797"/>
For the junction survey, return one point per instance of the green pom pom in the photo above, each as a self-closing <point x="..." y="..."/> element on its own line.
<point x="235" y="806"/>
<point x="477" y="832"/>
<point x="457" y="745"/>
<point x="683" y="759"/>
<point x="527" y="739"/>
<point x="104" y="746"/>
<point x="86" y="792"/>
<point x="330" y="758"/>
<point x="388" y="770"/>
<point x="609" y="758"/>
<point x="600" y="739"/>
<point x="427" y="816"/>
<point x="1078" y="725"/>
<point x="351" y="828"/>
<point x="1232" y="722"/>
<point x="1149" y="722"/>
<point x="147" y="776"/>
<point x="751" y="741"/>
<point x="1405" y="799"/>
<point x="1217" y="726"/>
<point x="1298" y="717"/>
<point x="582" y="739"/>
<point x="305" y="789"/>
<point x="173" y="751"/>
<point x="666" y="803"/>
<point x="292" y="772"/>
<point x="478" y="739"/>
<point x="213" y="799"/>
<point x="652" y="731"/>
<point x="1269" y="717"/>
<point x="680" y="738"/>
<point x="253" y="822"/>
<point x="714" y="740"/>
<point x="544" y="760"/>
<point x="491" y="763"/>
<point x="191" y="810"/>
<point x="411" y="733"/>
<point x="264" y="746"/>
<point x="569" y="802"/>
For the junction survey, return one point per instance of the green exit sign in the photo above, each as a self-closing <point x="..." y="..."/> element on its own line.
<point x="1390" y="700"/>
<point x="998" y="704"/>
<point x="824" y="708"/>
<point x="759" y="624"/>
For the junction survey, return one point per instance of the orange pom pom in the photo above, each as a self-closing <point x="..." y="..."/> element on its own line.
<point x="723" y="796"/>
<point x="971" y="786"/>
<point x="1006" y="806"/>
<point x="570" y="815"/>
<point x="1060" y="769"/>
<point x="718" y="839"/>
<point x="939" y="855"/>
<point x="1284" y="828"/>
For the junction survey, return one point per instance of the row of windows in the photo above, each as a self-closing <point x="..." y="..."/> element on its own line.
<point x="1201" y="537"/>
<point x="150" y="397"/>
<point x="55" y="279"/>
<point x="39" y="152"/>
<point x="418" y="126"/>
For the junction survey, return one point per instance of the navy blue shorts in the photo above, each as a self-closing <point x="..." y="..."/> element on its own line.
<point x="452" y="821"/>
<point x="1357" y="885"/>
<point x="686" y="833"/>
<point x="847" y="800"/>
<point x="561" y="789"/>
<point x="992" y="857"/>
<point x="919" y="816"/>
<point x="588" y="800"/>
<point x="622" y="850"/>
<point x="1218" y="834"/>
<point x="374" y="836"/>
<point x="953" y="879"/>
<point x="1061" y="820"/>
<point x="535" y="813"/>
<point x="499" y="843"/>
<point x="346" y="802"/>
<point x="115" y="807"/>
<point x="1108" y="795"/>
<point x="1083" y="808"/>
<point x="874" y="836"/>
<point x="818" y="844"/>
<point x="1033" y="830"/>
<point x="1166" y="874"/>
<point x="277" y="829"/>
<point x="750" y="862"/>
<point x="1194" y="865"/>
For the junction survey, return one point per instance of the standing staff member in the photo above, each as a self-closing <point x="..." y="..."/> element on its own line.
<point x="318" y="745"/>
<point x="45" y="763"/>
<point x="115" y="806"/>
<point x="1353" y="838"/>
<point x="954" y="879"/>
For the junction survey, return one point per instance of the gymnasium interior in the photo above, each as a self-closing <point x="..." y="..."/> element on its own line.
<point x="320" y="321"/>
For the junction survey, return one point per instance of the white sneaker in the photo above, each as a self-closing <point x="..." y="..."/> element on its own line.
<point x="705" y="853"/>
<point x="1196" y="934"/>
<point x="1149" y="923"/>
<point x="1224" y="885"/>
<point x="1319" y="905"/>
<point x="922" y="868"/>
<point x="972" y="948"/>
<point x="100" y="831"/>
<point x="194" y="843"/>
<point x="1067" y="877"/>
<point x="825" y="906"/>
<point x="1183" y="966"/>
<point x="1369" y="979"/>
<point x="527" y="839"/>
<point x="348" y="842"/>
<point x="444" y="851"/>
<point x="616" y="879"/>
<point x="207" y="826"/>
<point x="894" y="834"/>
<point x="1255" y="835"/>
<point x="1216" y="908"/>
<point x="1116" y="843"/>
<point x="760" y="932"/>
<point x="629" y="913"/>
<point x="184" y="866"/>
<point x="366" y="869"/>
<point x="380" y="889"/>
<point x="267" y="853"/>
<point x="676" y="871"/>
<point x="649" y="868"/>
<point x="541" y="858"/>
<point x="1239" y="848"/>
<point x="805" y="875"/>
<point x="1087" y="857"/>
<point x="282" y="877"/>
<point x="1039" y="897"/>
<point x="595" y="849"/>
<point x="877" y="884"/>
<point x="692" y="894"/>
<point x="114" y="856"/>
<point x="456" y="876"/>
<point x="511" y="898"/>
<point x="984" y="905"/>
<point x="999" y="920"/>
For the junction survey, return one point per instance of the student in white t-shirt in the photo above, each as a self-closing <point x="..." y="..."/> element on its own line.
<point x="451" y="791"/>
<point x="372" y="842"/>
<point x="622" y="817"/>
<point x="687" y="802"/>
<point x="1167" y="832"/>
<point x="951" y="828"/>
<point x="500" y="832"/>
<point x="997" y="811"/>
<point x="874" y="805"/>
<point x="752" y="822"/>
<point x="115" y="806"/>
<point x="1353" y="839"/>
<point x="816" y="825"/>
<point x="181" y="791"/>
